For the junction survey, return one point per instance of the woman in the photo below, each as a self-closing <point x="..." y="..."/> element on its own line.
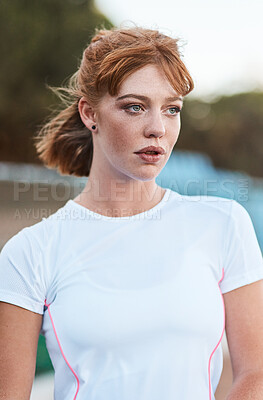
<point x="128" y="281"/>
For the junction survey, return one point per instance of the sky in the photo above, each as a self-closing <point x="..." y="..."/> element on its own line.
<point x="221" y="41"/>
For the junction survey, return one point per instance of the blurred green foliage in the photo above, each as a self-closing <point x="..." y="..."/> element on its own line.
<point x="43" y="361"/>
<point x="229" y="130"/>
<point x="42" y="42"/>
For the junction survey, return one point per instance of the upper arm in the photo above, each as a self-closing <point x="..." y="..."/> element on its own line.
<point x="19" y="333"/>
<point x="244" y="328"/>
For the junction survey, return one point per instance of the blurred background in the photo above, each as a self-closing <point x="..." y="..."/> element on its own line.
<point x="219" y="151"/>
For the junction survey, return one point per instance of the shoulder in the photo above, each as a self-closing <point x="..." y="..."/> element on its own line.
<point x="204" y="206"/>
<point x="37" y="237"/>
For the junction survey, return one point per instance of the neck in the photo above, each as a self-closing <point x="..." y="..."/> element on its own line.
<point x="118" y="198"/>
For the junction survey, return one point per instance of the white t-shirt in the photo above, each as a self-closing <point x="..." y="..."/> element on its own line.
<point x="133" y="308"/>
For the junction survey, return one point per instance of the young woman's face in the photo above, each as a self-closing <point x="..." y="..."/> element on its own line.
<point x="146" y="112"/>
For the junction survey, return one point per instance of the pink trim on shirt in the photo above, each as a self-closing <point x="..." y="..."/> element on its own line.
<point x="210" y="358"/>
<point x="63" y="355"/>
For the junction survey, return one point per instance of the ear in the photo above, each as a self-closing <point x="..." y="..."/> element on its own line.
<point x="87" y="113"/>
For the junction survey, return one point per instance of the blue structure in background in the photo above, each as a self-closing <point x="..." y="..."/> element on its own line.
<point x="194" y="174"/>
<point x="186" y="172"/>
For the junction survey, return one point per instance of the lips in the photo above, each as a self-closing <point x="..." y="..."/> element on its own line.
<point x="150" y="158"/>
<point x="156" y="150"/>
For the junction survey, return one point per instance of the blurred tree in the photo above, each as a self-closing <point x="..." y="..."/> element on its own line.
<point x="41" y="42"/>
<point x="229" y="130"/>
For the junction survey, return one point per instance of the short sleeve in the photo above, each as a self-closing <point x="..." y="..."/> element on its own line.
<point x="21" y="273"/>
<point x="242" y="257"/>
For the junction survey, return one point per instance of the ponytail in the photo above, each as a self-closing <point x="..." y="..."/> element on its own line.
<point x="66" y="144"/>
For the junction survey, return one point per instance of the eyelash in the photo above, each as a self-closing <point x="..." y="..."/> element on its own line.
<point x="178" y="109"/>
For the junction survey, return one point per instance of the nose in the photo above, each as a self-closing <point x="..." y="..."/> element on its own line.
<point x="155" y="125"/>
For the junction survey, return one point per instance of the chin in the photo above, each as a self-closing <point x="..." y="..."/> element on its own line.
<point x="144" y="173"/>
<point x="145" y="177"/>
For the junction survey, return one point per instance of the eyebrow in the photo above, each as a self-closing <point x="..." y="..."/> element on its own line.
<point x="145" y="98"/>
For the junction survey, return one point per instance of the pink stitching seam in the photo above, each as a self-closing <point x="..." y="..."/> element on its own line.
<point x="60" y="348"/>
<point x="210" y="358"/>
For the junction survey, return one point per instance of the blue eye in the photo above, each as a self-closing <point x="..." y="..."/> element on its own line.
<point x="175" y="110"/>
<point x="135" y="107"/>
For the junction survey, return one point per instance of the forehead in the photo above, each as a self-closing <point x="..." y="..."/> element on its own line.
<point x="148" y="80"/>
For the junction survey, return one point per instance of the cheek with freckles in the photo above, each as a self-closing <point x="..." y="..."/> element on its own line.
<point x="119" y="138"/>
